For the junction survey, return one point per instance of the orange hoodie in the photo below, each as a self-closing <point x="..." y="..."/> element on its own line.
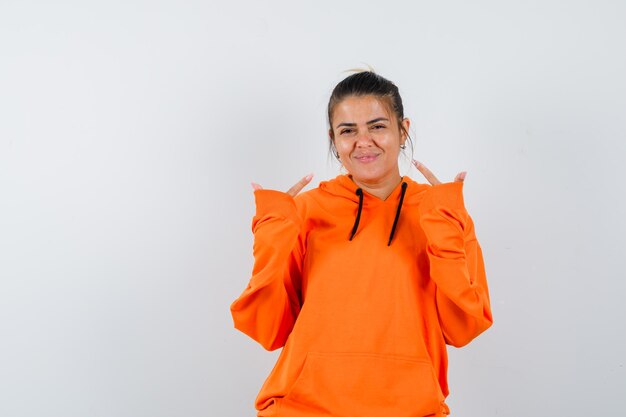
<point x="364" y="294"/>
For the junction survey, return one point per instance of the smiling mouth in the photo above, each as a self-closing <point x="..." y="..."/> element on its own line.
<point x="366" y="158"/>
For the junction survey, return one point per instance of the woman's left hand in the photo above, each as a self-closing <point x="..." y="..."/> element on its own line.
<point x="431" y="177"/>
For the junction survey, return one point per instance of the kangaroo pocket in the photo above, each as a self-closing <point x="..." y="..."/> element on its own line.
<point x="364" y="385"/>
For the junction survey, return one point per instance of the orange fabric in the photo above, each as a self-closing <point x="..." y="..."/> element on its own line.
<point x="363" y="325"/>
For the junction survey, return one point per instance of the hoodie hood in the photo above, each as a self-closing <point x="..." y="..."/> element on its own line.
<point x="343" y="186"/>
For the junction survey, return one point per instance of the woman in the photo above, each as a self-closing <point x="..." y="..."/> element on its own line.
<point x="365" y="279"/>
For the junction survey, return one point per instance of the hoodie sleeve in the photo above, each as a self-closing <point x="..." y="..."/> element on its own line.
<point x="267" y="309"/>
<point x="456" y="264"/>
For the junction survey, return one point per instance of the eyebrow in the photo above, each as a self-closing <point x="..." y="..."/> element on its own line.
<point x="369" y="123"/>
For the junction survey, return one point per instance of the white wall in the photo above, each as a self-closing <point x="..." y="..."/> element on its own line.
<point x="129" y="133"/>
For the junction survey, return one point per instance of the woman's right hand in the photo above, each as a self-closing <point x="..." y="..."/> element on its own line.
<point x="293" y="190"/>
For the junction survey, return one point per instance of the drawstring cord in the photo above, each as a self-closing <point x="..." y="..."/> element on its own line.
<point x="395" y="221"/>
<point x="359" y="192"/>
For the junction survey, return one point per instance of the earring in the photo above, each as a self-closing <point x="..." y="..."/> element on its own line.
<point x="403" y="146"/>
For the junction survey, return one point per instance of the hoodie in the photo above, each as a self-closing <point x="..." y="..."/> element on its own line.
<point x="363" y="295"/>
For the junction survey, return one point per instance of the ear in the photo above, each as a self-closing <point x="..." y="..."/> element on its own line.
<point x="330" y="135"/>
<point x="406" y="123"/>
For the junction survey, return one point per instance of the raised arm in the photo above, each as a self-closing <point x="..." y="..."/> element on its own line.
<point x="268" y="307"/>
<point x="456" y="264"/>
<point x="456" y="260"/>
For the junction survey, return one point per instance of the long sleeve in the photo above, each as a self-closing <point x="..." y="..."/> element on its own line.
<point x="268" y="307"/>
<point x="456" y="264"/>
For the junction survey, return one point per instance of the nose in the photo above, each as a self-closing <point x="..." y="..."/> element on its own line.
<point x="364" y="139"/>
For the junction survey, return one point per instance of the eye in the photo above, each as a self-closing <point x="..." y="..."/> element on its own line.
<point x="345" y="131"/>
<point x="377" y="127"/>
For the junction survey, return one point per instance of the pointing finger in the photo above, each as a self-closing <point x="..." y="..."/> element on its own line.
<point x="426" y="172"/>
<point x="299" y="185"/>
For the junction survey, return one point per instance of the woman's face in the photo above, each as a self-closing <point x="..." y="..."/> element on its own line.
<point x="368" y="139"/>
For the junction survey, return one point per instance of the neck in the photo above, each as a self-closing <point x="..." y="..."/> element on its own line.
<point x="381" y="188"/>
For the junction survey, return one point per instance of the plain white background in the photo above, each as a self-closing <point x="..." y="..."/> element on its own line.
<point x="130" y="132"/>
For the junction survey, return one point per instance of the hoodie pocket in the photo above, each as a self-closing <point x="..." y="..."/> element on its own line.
<point x="365" y="385"/>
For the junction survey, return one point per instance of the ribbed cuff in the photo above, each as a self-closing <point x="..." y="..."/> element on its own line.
<point x="449" y="195"/>
<point x="277" y="203"/>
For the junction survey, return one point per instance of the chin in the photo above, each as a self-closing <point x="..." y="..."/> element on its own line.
<point x="366" y="176"/>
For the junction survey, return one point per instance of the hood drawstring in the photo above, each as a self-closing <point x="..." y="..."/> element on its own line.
<point x="359" y="192"/>
<point x="395" y="221"/>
